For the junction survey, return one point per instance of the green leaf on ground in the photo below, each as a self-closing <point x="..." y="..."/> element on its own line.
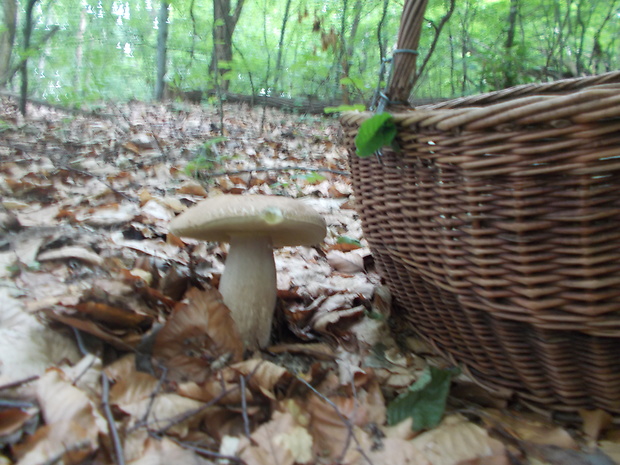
<point x="348" y="240"/>
<point x="424" y="401"/>
<point x="374" y="133"/>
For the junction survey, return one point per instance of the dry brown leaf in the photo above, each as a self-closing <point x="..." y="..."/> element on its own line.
<point x="128" y="342"/>
<point x="69" y="252"/>
<point x="264" y="375"/>
<point x="345" y="262"/>
<point x="595" y="422"/>
<point x="192" y="188"/>
<point x="329" y="429"/>
<point x="130" y="385"/>
<point x="280" y="441"/>
<point x="612" y="449"/>
<point x="457" y="440"/>
<point x="109" y="216"/>
<point x="530" y="428"/>
<point x="13" y="419"/>
<point x="113" y="316"/>
<point x="166" y="452"/>
<point x="28" y="348"/>
<point x="200" y="337"/>
<point x="166" y="411"/>
<point x="73" y="424"/>
<point x="222" y="385"/>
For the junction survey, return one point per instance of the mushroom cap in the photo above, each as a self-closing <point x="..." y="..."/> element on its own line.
<point x="287" y="221"/>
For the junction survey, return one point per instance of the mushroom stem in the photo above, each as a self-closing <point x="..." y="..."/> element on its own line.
<point x="249" y="288"/>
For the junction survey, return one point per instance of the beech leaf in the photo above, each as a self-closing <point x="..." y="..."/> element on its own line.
<point x="424" y="401"/>
<point x="374" y="133"/>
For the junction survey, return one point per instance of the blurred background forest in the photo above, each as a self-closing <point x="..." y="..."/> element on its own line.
<point x="73" y="52"/>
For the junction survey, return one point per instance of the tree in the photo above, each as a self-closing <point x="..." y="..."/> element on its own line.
<point x="162" y="39"/>
<point x="7" y="38"/>
<point x="224" y="23"/>
<point x="287" y="9"/>
<point x="26" y="50"/>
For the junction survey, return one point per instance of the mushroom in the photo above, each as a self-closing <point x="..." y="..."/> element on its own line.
<point x="253" y="225"/>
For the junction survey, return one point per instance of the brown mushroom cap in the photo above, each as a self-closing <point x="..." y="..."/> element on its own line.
<point x="287" y="221"/>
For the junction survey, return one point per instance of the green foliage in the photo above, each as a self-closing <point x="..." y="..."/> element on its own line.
<point x="553" y="40"/>
<point x="341" y="108"/>
<point x="5" y="126"/>
<point x="376" y="132"/>
<point x="206" y="159"/>
<point x="313" y="177"/>
<point x="424" y="401"/>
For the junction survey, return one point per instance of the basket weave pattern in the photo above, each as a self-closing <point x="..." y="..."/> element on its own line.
<point x="497" y="227"/>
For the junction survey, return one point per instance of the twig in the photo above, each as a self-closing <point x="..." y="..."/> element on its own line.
<point x="19" y="382"/>
<point x="344" y="419"/>
<point x="160" y="383"/>
<point x="105" y="183"/>
<point x="118" y="447"/>
<point x="74" y="447"/>
<point x="244" y="407"/>
<point x="280" y="168"/>
<point x="190" y="413"/>
<point x="200" y="450"/>
<point x="4" y="403"/>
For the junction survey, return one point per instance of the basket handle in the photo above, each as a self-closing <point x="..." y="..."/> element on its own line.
<point x="404" y="71"/>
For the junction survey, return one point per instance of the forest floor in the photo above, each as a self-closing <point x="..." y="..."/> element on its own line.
<point x="113" y="348"/>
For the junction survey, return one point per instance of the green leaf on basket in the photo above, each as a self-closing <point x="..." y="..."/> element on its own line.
<point x="424" y="401"/>
<point x="374" y="133"/>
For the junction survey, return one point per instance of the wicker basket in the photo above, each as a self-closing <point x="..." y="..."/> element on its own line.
<point x="497" y="228"/>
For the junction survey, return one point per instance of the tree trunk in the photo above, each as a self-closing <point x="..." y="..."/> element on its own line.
<point x="224" y="23"/>
<point x="287" y="9"/>
<point x="7" y="38"/>
<point x="24" y="64"/>
<point x="509" y="73"/>
<point x="348" y="50"/>
<point x="162" y="39"/>
<point x="79" y="50"/>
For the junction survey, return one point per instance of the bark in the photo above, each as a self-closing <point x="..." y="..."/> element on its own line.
<point x="348" y="50"/>
<point x="79" y="50"/>
<point x="224" y="25"/>
<point x="380" y="39"/>
<point x="162" y="39"/>
<point x="281" y="44"/>
<point x="7" y="38"/>
<point x="509" y="72"/>
<point x="24" y="65"/>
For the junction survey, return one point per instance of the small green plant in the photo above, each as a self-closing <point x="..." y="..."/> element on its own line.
<point x="312" y="178"/>
<point x="206" y="159"/>
<point x="5" y="125"/>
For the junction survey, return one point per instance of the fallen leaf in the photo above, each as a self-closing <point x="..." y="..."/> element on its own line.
<point x="199" y="337"/>
<point x="457" y="440"/>
<point x="69" y="252"/>
<point x="595" y="422"/>
<point x="424" y="401"/>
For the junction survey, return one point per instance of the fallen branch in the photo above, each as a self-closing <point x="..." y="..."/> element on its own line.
<point x="278" y="168"/>
<point x="116" y="440"/>
<point x="345" y="420"/>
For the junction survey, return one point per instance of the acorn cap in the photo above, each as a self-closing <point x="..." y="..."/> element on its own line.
<point x="287" y="221"/>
